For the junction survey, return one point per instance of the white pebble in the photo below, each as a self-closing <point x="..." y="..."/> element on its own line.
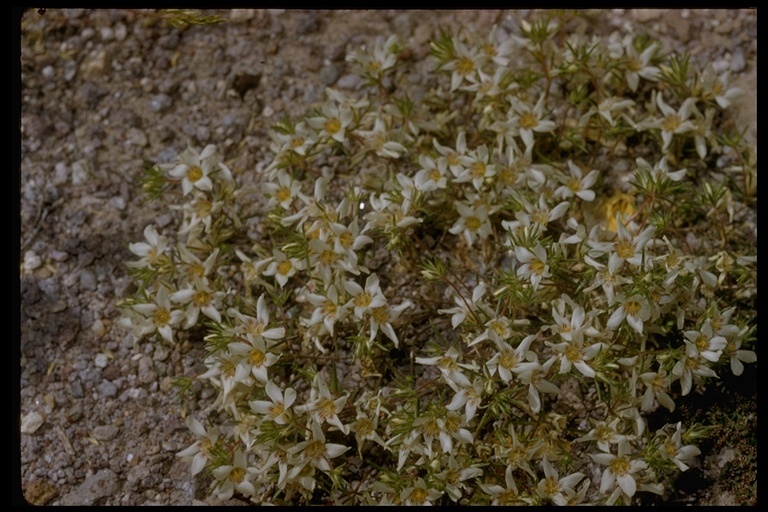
<point x="31" y="422"/>
<point x="101" y="360"/>
<point x="32" y="260"/>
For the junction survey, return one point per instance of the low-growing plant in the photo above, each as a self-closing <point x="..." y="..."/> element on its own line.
<point x="470" y="280"/>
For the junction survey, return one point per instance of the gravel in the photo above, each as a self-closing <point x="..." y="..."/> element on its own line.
<point x="103" y="90"/>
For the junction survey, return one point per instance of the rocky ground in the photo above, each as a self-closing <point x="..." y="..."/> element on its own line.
<point x="104" y="90"/>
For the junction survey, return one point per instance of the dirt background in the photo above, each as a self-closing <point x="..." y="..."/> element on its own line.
<point x="104" y="90"/>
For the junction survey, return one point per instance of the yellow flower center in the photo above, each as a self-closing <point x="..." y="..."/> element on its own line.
<point x="418" y="496"/>
<point x="633" y="307"/>
<point x="315" y="449"/>
<point x="346" y="240"/>
<point x="624" y="249"/>
<point x="284" y="267"/>
<point x="202" y="298"/>
<point x="381" y="315"/>
<point x="326" y="409"/>
<point x="447" y="363"/>
<point x="473" y="223"/>
<point x="575" y="185"/>
<point x="435" y="175"/>
<point x="195" y="270"/>
<point x="161" y="317"/>
<point x="477" y="170"/>
<point x="203" y="207"/>
<point x="537" y="267"/>
<point x="237" y="475"/>
<point x="283" y="194"/>
<point x="364" y="426"/>
<point x="551" y="486"/>
<point x="256" y="358"/>
<point x="332" y="126"/>
<point x="573" y="353"/>
<point x="328" y="257"/>
<point x="603" y="433"/>
<point x="670" y="123"/>
<point x="508" y="359"/>
<point x="363" y="300"/>
<point x="620" y="466"/>
<point x="276" y="409"/>
<point x="431" y="428"/>
<point x="465" y="66"/>
<point x="508" y="175"/>
<point x="529" y="121"/>
<point x="194" y="174"/>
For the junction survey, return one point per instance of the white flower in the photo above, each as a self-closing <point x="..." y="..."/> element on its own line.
<point x="432" y="175"/>
<point x="194" y="169"/>
<point x="464" y="64"/>
<point x="608" y="105"/>
<point x="508" y="495"/>
<point x="472" y="223"/>
<point x="283" y="267"/>
<point x="577" y="184"/>
<point x="255" y="359"/>
<point x="604" y="434"/>
<point x="199" y="298"/>
<point x="453" y="476"/>
<point x="278" y="408"/>
<point x="507" y="359"/>
<point x="622" y="470"/>
<point x="635" y="309"/>
<point x="533" y="374"/>
<point x="323" y="406"/>
<point x="638" y="65"/>
<point x="332" y="122"/>
<point x="574" y="354"/>
<point x="629" y="248"/>
<point x="451" y="156"/>
<point x="468" y="397"/>
<point x="476" y="167"/>
<point x="657" y="389"/>
<point x="257" y="328"/>
<point x="315" y="450"/>
<point x="672" y="448"/>
<point x="199" y="451"/>
<point x="690" y="366"/>
<point x="707" y="344"/>
<point x="674" y="121"/>
<point x="283" y="192"/>
<point x="463" y="308"/>
<point x="150" y="251"/>
<point x="378" y="140"/>
<point x="450" y="367"/>
<point x="327" y="310"/>
<point x="233" y="477"/>
<point x="365" y="299"/>
<point x="419" y="494"/>
<point x="552" y="487"/>
<point x="737" y="356"/>
<point x="529" y="119"/>
<point x="382" y="317"/>
<point x="533" y="264"/>
<point x="159" y="316"/>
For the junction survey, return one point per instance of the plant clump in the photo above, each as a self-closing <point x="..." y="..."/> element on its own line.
<point x="470" y="288"/>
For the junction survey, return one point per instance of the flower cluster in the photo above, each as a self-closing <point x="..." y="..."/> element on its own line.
<point x="401" y="304"/>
